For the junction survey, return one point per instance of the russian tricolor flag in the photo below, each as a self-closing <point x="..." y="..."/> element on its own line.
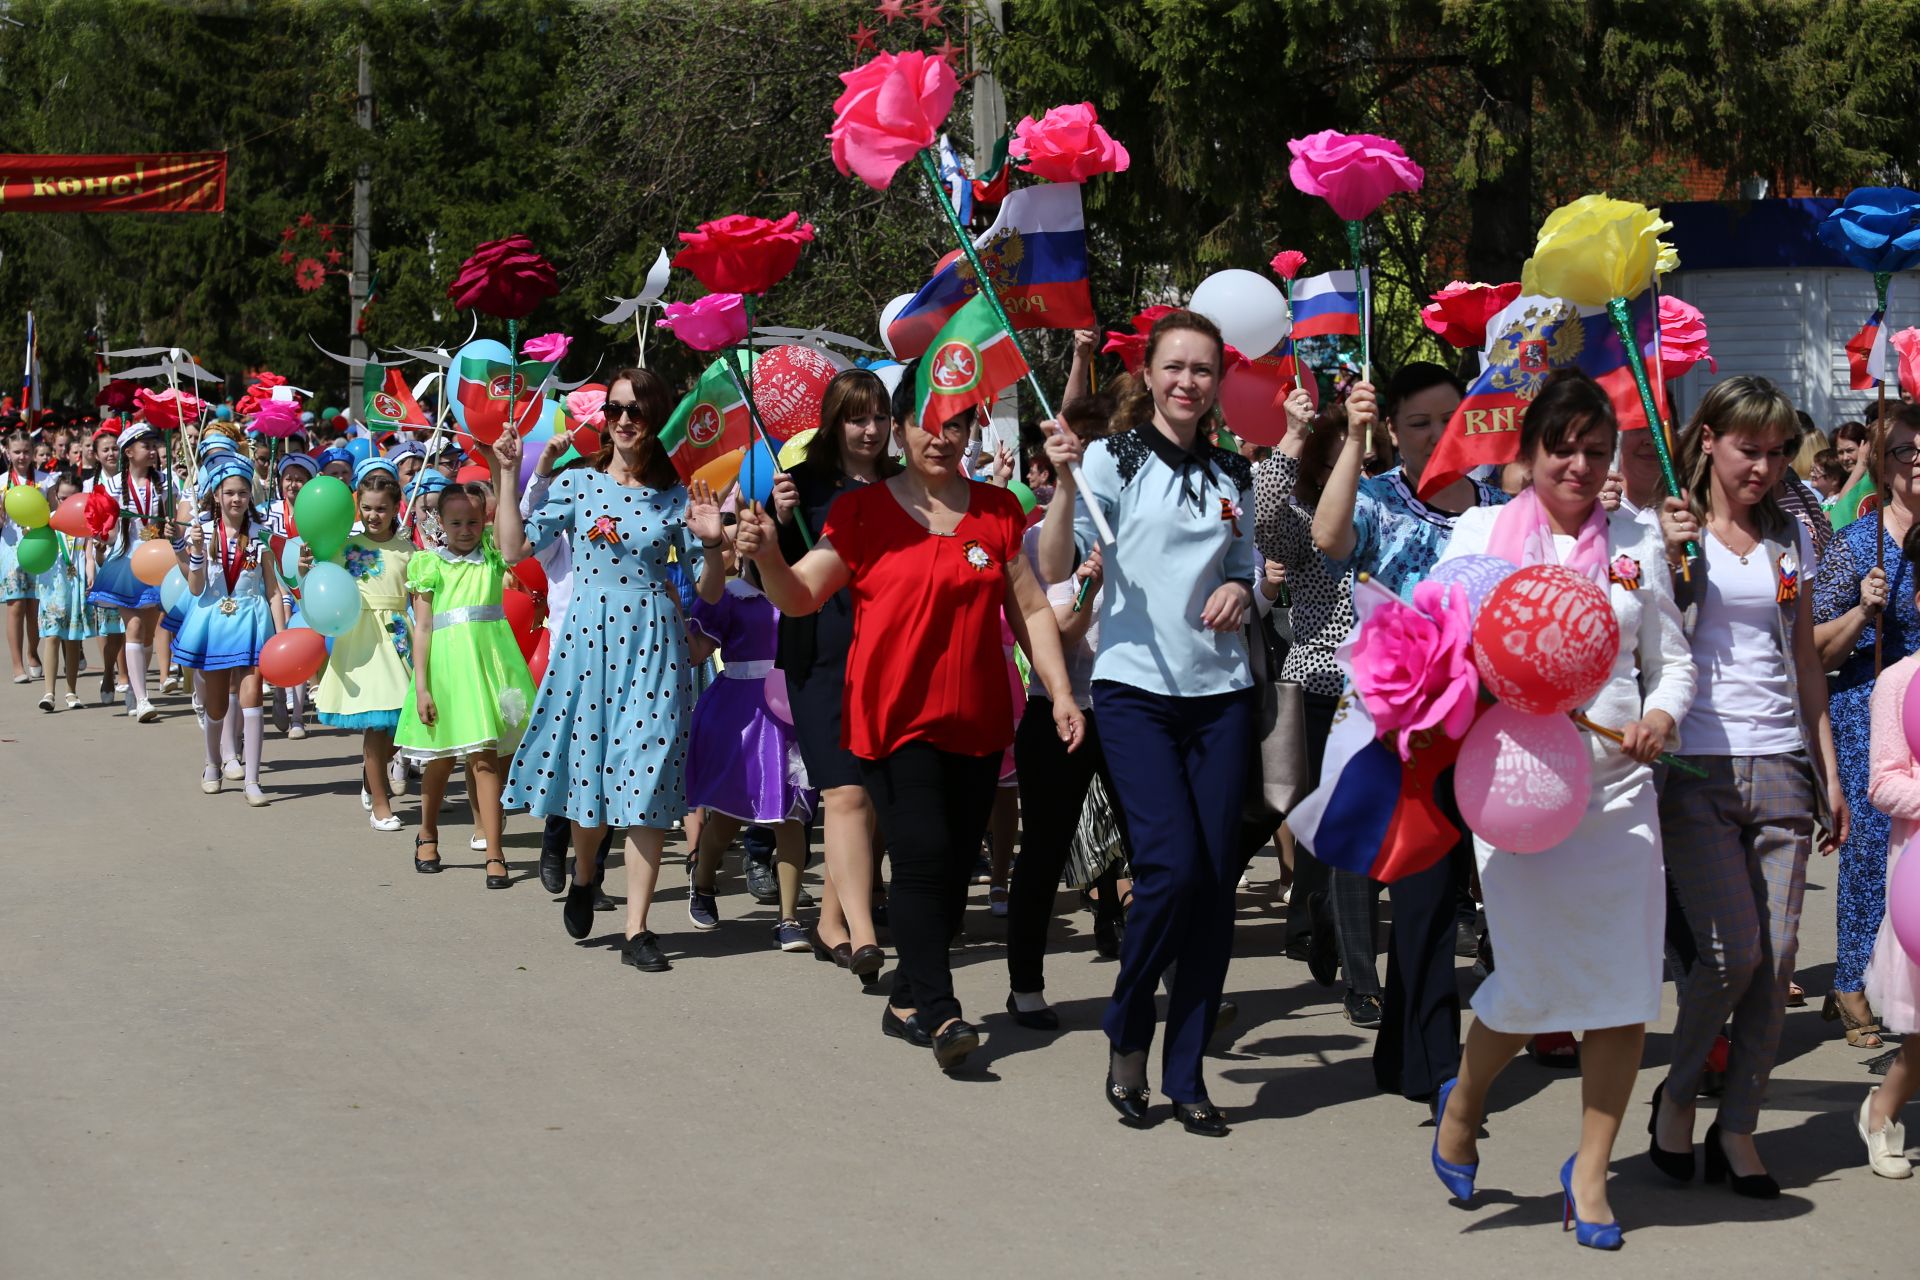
<point x="1326" y="305"/>
<point x="1036" y="251"/>
<point x="1867" y="354"/>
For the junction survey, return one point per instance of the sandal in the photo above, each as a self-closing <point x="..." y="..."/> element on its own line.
<point x="426" y="866"/>
<point x="1796" y="996"/>
<point x="1862" y="1033"/>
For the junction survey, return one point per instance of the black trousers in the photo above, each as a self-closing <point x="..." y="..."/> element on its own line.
<point x="1053" y="789"/>
<point x="933" y="808"/>
<point x="1418" y="1046"/>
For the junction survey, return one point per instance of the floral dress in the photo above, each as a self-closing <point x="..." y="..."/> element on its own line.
<point x="367" y="677"/>
<point x="64" y="612"/>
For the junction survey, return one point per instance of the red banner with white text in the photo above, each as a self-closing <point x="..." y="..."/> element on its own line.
<point x="177" y="182"/>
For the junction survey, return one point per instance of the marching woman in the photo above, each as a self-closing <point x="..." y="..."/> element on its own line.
<point x="1172" y="693"/>
<point x="470" y="691"/>
<point x="365" y="681"/>
<point x="1580" y="925"/>
<point x="230" y="613"/>
<point x="1738" y="838"/>
<point x="932" y="561"/>
<point x="607" y="743"/>
<point x="142" y="498"/>
<point x="1854" y="603"/>
<point x="849" y="451"/>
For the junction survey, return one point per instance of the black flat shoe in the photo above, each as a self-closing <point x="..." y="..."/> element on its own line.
<point x="578" y="913"/>
<point x="1106" y="935"/>
<point x="426" y="866"/>
<point x="1754" y="1186"/>
<point x="642" y="951"/>
<point x="951" y="1047"/>
<point x="601" y="902"/>
<point x="1677" y="1165"/>
<point x="1037" y="1020"/>
<point x="553" y="871"/>
<point x="907" y="1028"/>
<point x="1130" y="1103"/>
<point x="821" y="951"/>
<point x="501" y="881"/>
<point x="1202" y="1118"/>
<point x="866" y="963"/>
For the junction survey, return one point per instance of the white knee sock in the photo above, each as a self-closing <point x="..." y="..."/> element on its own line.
<point x="254" y="731"/>
<point x="217" y="733"/>
<point x="137" y="671"/>
<point x="229" y="750"/>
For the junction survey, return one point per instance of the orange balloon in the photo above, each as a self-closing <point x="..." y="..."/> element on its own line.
<point x="70" y="517"/>
<point x="152" y="559"/>
<point x="722" y="471"/>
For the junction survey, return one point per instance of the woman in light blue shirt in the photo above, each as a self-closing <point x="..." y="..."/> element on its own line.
<point x="1172" y="692"/>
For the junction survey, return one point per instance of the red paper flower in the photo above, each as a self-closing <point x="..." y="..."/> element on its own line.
<point x="1459" y="313"/>
<point x="1683" y="338"/>
<point x="1353" y="172"/>
<point x="742" y="254"/>
<point x="1132" y="347"/>
<point x="1287" y="263"/>
<point x="103" y="513"/>
<point x="117" y="394"/>
<point x="1067" y="145"/>
<point x="309" y="275"/>
<point x="891" y="109"/>
<point x="168" y="410"/>
<point x="259" y="392"/>
<point x="505" y="279"/>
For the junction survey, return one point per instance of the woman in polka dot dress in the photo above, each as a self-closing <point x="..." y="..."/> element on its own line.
<point x="607" y="741"/>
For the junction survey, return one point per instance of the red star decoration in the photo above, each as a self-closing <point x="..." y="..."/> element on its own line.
<point x="928" y="11"/>
<point x="891" y="10"/>
<point x="287" y="233"/>
<point x="306" y="220"/>
<point x="333" y="257"/>
<point x="326" y="233"/>
<point x="948" y="52"/>
<point x="286" y="258"/>
<point x="863" y="38"/>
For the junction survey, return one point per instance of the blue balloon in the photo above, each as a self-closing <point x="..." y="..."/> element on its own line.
<point x="480" y="349"/>
<point x="330" y="599"/>
<point x="223" y="412"/>
<point x="757" y="470"/>
<point x="173" y="588"/>
<point x="361" y="448"/>
<point x="1477" y="575"/>
<point x="290" y="562"/>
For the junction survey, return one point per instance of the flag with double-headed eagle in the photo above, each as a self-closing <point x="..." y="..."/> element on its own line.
<point x="1530" y="338"/>
<point x="969" y="362"/>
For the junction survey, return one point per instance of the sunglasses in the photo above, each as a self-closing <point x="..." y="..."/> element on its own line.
<point x="615" y="411"/>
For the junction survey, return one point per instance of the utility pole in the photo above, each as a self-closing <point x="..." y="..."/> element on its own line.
<point x="989" y="122"/>
<point x="362" y="239"/>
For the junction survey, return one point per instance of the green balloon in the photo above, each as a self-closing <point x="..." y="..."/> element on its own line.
<point x="324" y="515"/>
<point x="1027" y="499"/>
<point x="38" y="550"/>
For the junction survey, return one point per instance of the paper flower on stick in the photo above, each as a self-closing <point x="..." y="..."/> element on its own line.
<point x="277" y="419"/>
<point x="505" y="279"/>
<point x="1132" y="347"/>
<point x="1067" y="145"/>
<point x="1413" y="665"/>
<point x="103" y="513"/>
<point x="1683" y="338"/>
<point x="1287" y="263"/>
<point x="1595" y="250"/>
<point x="890" y="111"/>
<point x="588" y="406"/>
<point x="1459" y="313"/>
<point x="260" y="393"/>
<point x="1876" y="229"/>
<point x="742" y="254"/>
<point x="167" y="410"/>
<point x="548" y="348"/>
<point x="117" y="394"/>
<point x="1353" y="172"/>
<point x="715" y="321"/>
<point x="1907" y="343"/>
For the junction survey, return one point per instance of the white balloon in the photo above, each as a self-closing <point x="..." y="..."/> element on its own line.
<point x="1249" y="308"/>
<point x="887" y="313"/>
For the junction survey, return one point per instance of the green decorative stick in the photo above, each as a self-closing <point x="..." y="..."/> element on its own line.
<point x="1618" y="312"/>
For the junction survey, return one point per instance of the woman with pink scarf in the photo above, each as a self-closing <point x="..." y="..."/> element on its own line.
<point x="1579" y="926"/>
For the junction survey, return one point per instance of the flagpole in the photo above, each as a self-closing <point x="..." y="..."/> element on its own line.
<point x="753" y="420"/>
<point x="992" y="294"/>
<point x="1881" y="279"/>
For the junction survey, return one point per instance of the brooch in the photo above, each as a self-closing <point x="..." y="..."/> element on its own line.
<point x="1230" y="512"/>
<point x="977" y="558"/>
<point x="1625" y="570"/>
<point x="606" y="529"/>
<point x="1788" y="590"/>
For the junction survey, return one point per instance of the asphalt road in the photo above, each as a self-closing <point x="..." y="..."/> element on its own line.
<point x="240" y="1042"/>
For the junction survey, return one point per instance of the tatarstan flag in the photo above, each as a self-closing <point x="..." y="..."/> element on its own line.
<point x="712" y="420"/>
<point x="393" y="405"/>
<point x="968" y="363"/>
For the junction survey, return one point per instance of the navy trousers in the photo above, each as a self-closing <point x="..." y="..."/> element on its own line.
<point x="1180" y="768"/>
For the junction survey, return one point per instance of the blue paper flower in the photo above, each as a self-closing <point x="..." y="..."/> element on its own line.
<point x="1877" y="229"/>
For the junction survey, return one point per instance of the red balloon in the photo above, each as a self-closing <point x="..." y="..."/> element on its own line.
<point x="533" y="578"/>
<point x="70" y="517"/>
<point x="293" y="657"/>
<point x="523" y="615"/>
<point x="1253" y="397"/>
<point x="1546" y="640"/>
<point x="537" y="661"/>
<point x="789" y="384"/>
<point x="473" y="473"/>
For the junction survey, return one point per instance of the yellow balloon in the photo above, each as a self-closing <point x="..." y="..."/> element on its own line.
<point x="26" y="506"/>
<point x="795" y="449"/>
<point x="722" y="471"/>
<point x="1596" y="249"/>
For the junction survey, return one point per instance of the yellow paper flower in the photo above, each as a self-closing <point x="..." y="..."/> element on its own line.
<point x="1669" y="259"/>
<point x="1596" y="249"/>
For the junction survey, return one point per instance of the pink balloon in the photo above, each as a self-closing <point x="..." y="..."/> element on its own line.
<point x="1523" y="780"/>
<point x="1903" y="901"/>
<point x="1909" y="714"/>
<point x="776" y="687"/>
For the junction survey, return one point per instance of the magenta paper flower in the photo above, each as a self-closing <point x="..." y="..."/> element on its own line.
<point x="1459" y="313"/>
<point x="1067" y="145"/>
<point x="715" y="321"/>
<point x="1683" y="338"/>
<point x="548" y="348"/>
<point x="1413" y="665"/>
<point x="1353" y="172"/>
<point x="277" y="419"/>
<point x="890" y="111"/>
<point x="505" y="279"/>
<point x="1287" y="263"/>
<point x="743" y="254"/>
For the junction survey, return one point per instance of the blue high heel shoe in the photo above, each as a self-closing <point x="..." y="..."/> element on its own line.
<point x="1594" y="1235"/>
<point x="1457" y="1178"/>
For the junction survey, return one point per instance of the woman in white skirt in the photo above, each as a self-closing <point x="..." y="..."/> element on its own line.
<point x="1579" y="927"/>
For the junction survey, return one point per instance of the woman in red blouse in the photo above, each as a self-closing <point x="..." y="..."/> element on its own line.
<point x="931" y="560"/>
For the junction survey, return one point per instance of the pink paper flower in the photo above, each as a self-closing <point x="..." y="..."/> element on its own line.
<point x="1413" y="665"/>
<point x="891" y="109"/>
<point x="1353" y="172"/>
<point x="1287" y="263"/>
<point x="167" y="410"/>
<point x="505" y="279"/>
<point x="1683" y="338"/>
<point x="548" y="348"/>
<point x="277" y="419"/>
<point x="715" y="321"/>
<point x="1067" y="145"/>
<point x="1907" y="343"/>
<point x="1459" y="313"/>
<point x="742" y="254"/>
<point x="587" y="406"/>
